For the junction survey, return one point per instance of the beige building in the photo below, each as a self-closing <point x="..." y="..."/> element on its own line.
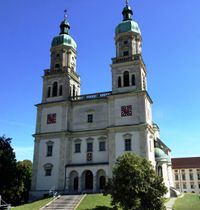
<point x="186" y="174"/>
<point x="78" y="137"/>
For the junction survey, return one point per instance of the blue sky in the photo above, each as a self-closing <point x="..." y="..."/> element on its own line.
<point x="171" y="43"/>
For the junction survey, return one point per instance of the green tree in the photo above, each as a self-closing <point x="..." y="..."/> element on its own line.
<point x="15" y="177"/>
<point x="24" y="173"/>
<point x="7" y="169"/>
<point x="135" y="185"/>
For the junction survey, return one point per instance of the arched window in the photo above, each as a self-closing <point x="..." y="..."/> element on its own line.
<point x="133" y="79"/>
<point x="160" y="172"/>
<point x="126" y="79"/>
<point x="49" y="92"/>
<point x="55" y="89"/>
<point x="57" y="65"/>
<point x="60" y="91"/>
<point x="74" y="90"/>
<point x="119" y="82"/>
<point x="70" y="91"/>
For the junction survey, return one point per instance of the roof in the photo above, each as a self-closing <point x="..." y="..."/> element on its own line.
<point x="187" y="162"/>
<point x="127" y="26"/>
<point x="63" y="39"/>
<point x="161" y="156"/>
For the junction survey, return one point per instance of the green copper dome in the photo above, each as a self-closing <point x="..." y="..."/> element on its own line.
<point x="161" y="156"/>
<point x="63" y="39"/>
<point x="127" y="26"/>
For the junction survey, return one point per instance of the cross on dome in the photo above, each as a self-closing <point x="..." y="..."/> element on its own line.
<point x="65" y="14"/>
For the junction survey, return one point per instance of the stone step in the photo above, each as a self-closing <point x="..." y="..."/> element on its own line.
<point x="65" y="202"/>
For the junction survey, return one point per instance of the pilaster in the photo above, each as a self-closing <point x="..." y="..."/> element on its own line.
<point x="35" y="165"/>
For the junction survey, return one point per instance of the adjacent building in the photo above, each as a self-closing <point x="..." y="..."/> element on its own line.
<point x="78" y="137"/>
<point x="186" y="174"/>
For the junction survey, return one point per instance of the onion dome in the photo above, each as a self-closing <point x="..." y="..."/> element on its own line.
<point x="127" y="25"/>
<point x="64" y="38"/>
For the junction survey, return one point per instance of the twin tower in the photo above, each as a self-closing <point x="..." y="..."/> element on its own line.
<point x="63" y="62"/>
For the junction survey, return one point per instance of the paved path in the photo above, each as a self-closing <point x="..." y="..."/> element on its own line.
<point x="169" y="204"/>
<point x="65" y="202"/>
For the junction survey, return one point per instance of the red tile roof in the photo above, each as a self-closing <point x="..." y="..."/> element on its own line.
<point x="189" y="162"/>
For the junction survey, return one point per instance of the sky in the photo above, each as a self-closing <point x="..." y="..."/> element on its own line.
<point x="171" y="43"/>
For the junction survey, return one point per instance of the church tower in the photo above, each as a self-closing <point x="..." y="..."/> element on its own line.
<point x="128" y="69"/>
<point x="61" y="81"/>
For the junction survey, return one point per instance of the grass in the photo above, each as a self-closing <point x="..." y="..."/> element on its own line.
<point x="95" y="202"/>
<point x="188" y="202"/>
<point x="34" y="205"/>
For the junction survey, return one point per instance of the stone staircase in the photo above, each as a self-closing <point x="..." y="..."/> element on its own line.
<point x="64" y="202"/>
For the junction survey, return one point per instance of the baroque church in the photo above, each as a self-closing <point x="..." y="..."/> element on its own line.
<point x="79" y="137"/>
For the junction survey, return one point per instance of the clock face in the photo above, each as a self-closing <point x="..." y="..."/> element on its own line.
<point x="51" y="118"/>
<point x="126" y="111"/>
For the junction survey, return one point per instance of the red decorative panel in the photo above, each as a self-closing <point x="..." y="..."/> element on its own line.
<point x="126" y="111"/>
<point x="51" y="118"/>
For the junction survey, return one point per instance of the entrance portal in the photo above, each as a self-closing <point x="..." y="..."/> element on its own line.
<point x="88" y="180"/>
<point x="102" y="182"/>
<point x="76" y="184"/>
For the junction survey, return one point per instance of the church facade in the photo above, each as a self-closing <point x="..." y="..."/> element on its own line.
<point x="78" y="137"/>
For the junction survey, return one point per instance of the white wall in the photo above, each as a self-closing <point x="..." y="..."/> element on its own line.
<point x="47" y="182"/>
<point x="119" y="143"/>
<point x="81" y="110"/>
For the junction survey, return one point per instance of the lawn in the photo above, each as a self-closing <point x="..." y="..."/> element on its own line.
<point x="95" y="202"/>
<point x="34" y="205"/>
<point x="188" y="202"/>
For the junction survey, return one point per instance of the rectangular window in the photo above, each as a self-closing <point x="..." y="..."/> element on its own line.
<point x="51" y="118"/>
<point x="125" y="53"/>
<point x="102" y="146"/>
<point x="183" y="176"/>
<point x="48" y="172"/>
<point x="192" y="186"/>
<point x="49" y="150"/>
<point x="177" y="186"/>
<point x="191" y="177"/>
<point x="77" y="148"/>
<point x="198" y="176"/>
<point x="90" y="118"/>
<point x="184" y="186"/>
<point x="125" y="42"/>
<point x="127" y="144"/>
<point x="133" y="79"/>
<point x="199" y="185"/>
<point x="89" y="147"/>
<point x="176" y="176"/>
